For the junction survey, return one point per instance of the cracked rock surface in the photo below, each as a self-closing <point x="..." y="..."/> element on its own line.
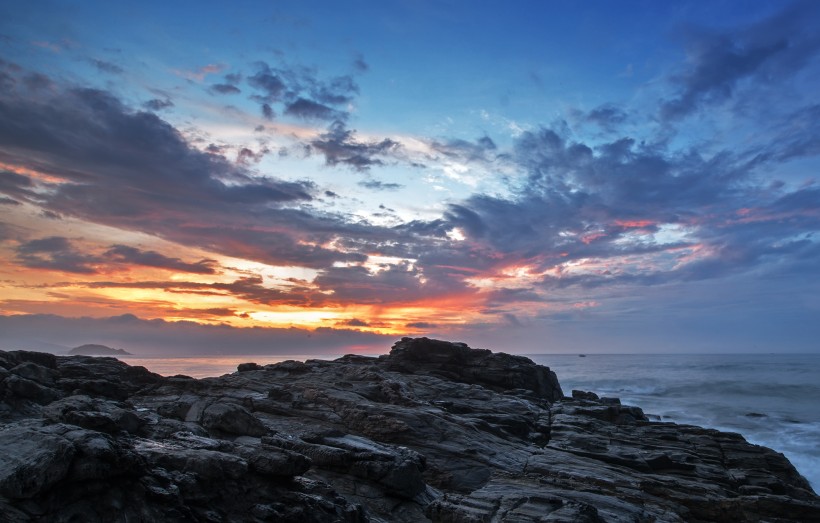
<point x="434" y="431"/>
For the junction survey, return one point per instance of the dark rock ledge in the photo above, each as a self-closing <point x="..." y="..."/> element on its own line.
<point x="434" y="431"/>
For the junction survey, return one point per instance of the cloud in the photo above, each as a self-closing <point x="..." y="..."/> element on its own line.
<point x="224" y="89"/>
<point x="482" y="150"/>
<point x="421" y="325"/>
<point x="14" y="184"/>
<point x="339" y="145"/>
<point x="56" y="253"/>
<point x="354" y="322"/>
<point x="607" y="116"/>
<point x="377" y="185"/>
<point x="765" y="52"/>
<point x="628" y="213"/>
<point x="134" y="171"/>
<point x="200" y="73"/>
<point x="134" y="256"/>
<point x="37" y="82"/>
<point x="157" y="105"/>
<point x="301" y="93"/>
<point x="8" y="201"/>
<point x="106" y="67"/>
<point x="268" y="81"/>
<point x="359" y="64"/>
<point x="310" y="110"/>
<point x="249" y="288"/>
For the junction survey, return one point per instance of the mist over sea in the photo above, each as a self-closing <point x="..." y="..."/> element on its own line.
<point x="771" y="399"/>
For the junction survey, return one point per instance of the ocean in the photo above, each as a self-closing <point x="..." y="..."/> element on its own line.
<point x="771" y="399"/>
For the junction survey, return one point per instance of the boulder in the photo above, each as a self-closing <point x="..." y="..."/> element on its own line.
<point x="457" y="361"/>
<point x="232" y="419"/>
<point x="33" y="458"/>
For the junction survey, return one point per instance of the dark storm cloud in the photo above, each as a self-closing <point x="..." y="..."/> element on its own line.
<point x="764" y="52"/>
<point x="339" y="145"/>
<point x="134" y="256"/>
<point x="56" y="253"/>
<point x="8" y="201"/>
<point x="106" y="67"/>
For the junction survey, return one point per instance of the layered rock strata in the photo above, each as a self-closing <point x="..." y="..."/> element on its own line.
<point x="434" y="431"/>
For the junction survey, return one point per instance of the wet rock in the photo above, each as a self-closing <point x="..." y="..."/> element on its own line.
<point x="33" y="459"/>
<point x="457" y="361"/>
<point x="584" y="395"/>
<point x="232" y="419"/>
<point x="274" y="461"/>
<point x="94" y="414"/>
<point x="434" y="431"/>
<point x="19" y="388"/>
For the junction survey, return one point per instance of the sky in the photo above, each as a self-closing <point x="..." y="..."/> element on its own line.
<point x="295" y="177"/>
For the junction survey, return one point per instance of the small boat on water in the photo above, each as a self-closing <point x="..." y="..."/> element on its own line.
<point x="582" y="355"/>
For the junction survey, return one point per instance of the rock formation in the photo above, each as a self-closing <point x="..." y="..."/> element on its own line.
<point x="434" y="431"/>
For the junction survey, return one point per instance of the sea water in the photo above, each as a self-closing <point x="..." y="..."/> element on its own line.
<point x="771" y="399"/>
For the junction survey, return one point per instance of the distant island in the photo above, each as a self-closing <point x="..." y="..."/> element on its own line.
<point x="93" y="349"/>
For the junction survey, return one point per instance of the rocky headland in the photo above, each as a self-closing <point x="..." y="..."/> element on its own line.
<point x="434" y="431"/>
<point x="94" y="349"/>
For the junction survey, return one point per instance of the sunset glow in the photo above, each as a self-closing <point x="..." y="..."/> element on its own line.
<point x="268" y="172"/>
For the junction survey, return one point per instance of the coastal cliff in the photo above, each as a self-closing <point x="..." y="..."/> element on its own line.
<point x="434" y="431"/>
